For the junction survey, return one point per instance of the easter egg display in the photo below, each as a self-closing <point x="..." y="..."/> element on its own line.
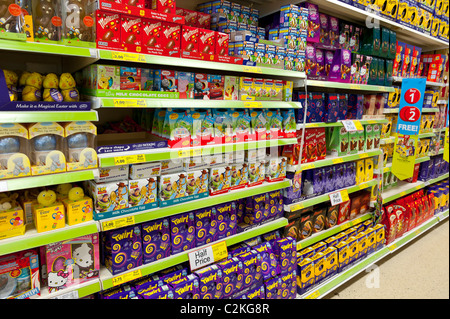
<point x="14" y="161"/>
<point x="46" y="148"/>
<point x="11" y="216"/>
<point x="79" y="145"/>
<point x="79" y="208"/>
<point x="48" y="213"/>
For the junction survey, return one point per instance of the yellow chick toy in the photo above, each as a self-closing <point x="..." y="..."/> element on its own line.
<point x="23" y="78"/>
<point x="10" y="77"/>
<point x="31" y="94"/>
<point x="34" y="80"/>
<point x="51" y="81"/>
<point x="63" y="190"/>
<point x="66" y="81"/>
<point x="46" y="198"/>
<point x="76" y="193"/>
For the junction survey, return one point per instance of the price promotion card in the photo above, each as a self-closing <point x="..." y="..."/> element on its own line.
<point x="408" y="125"/>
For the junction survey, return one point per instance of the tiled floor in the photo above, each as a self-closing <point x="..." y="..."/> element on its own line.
<point x="420" y="270"/>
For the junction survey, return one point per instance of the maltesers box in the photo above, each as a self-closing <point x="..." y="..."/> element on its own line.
<point x="152" y="41"/>
<point x="108" y="30"/>
<point x="131" y="33"/>
<point x="190" y="42"/>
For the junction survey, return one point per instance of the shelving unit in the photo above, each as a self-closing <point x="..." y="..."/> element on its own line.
<point x="70" y="59"/>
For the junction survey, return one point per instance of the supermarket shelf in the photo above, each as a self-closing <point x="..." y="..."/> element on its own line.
<point x="313" y="239"/>
<point x="338" y="280"/>
<point x="197" y="64"/>
<point x="32" y="117"/>
<point x="331" y="160"/>
<point x="442" y="102"/>
<point x="152" y="155"/>
<point x="405" y="34"/>
<point x="32" y="238"/>
<point x="391" y="139"/>
<point x="388" y="167"/>
<point x="404" y="188"/>
<point x="73" y="292"/>
<point x="348" y="86"/>
<point x="161" y="212"/>
<point x="424" y="110"/>
<point x="46" y="180"/>
<point x="35" y="47"/>
<point x="326" y="197"/>
<point x="428" y="83"/>
<point x="106" y="102"/>
<point x="107" y="279"/>
<point x="339" y="124"/>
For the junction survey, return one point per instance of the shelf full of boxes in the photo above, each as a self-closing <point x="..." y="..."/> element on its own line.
<point x="250" y="83"/>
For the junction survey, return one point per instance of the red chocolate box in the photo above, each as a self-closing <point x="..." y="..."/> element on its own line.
<point x="152" y="39"/>
<point x="166" y="6"/>
<point x="221" y="45"/>
<point x="172" y="39"/>
<point x="131" y="33"/>
<point x="190" y="42"/>
<point x="108" y="30"/>
<point x="206" y="45"/>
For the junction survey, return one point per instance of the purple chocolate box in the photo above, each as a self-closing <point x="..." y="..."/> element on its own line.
<point x="285" y="249"/>
<point x="251" y="265"/>
<point x="123" y="249"/>
<point x="269" y="262"/>
<point x="211" y="282"/>
<point x="187" y="287"/>
<point x="182" y="232"/>
<point x="206" y="226"/>
<point x="272" y="287"/>
<point x="226" y="220"/>
<point x="232" y="276"/>
<point x="163" y="292"/>
<point x="156" y="240"/>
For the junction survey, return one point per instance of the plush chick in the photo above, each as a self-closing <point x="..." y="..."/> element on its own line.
<point x="10" y="77"/>
<point x="51" y="81"/>
<point x="76" y="193"/>
<point x="46" y="198"/>
<point x="35" y="80"/>
<point x="63" y="189"/>
<point x="66" y="81"/>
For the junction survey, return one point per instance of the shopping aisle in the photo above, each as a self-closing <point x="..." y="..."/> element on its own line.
<point x="420" y="270"/>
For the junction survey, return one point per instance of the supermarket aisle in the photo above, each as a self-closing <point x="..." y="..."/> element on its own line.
<point x="418" y="271"/>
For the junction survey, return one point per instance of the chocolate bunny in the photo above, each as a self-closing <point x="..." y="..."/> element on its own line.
<point x="43" y="24"/>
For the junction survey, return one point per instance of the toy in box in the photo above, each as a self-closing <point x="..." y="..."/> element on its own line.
<point x="103" y="77"/>
<point x="70" y="262"/>
<point x="79" y="145"/>
<point x="197" y="182"/>
<point x="256" y="172"/>
<point x="109" y="196"/>
<point x="219" y="180"/>
<point x="239" y="175"/>
<point x="19" y="275"/>
<point x="172" y="186"/>
<point x="223" y="126"/>
<point x="142" y="191"/>
<point x="241" y="124"/>
<point x="48" y="213"/>
<point x="276" y="169"/>
<point x="14" y="151"/>
<point x="12" y="219"/>
<point x="122" y="249"/>
<point x="258" y="122"/>
<point x="47" y="140"/>
<point x="177" y="128"/>
<point x="231" y="88"/>
<point x="79" y="208"/>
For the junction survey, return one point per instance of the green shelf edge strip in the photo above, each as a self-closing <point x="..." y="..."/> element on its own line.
<point x="204" y="202"/>
<point x="344" y="276"/>
<point x="155" y="155"/>
<point x="324" y="198"/>
<point x="183" y="257"/>
<point x="363" y="264"/>
<point x="50" y="179"/>
<point x="191" y="103"/>
<point x="332" y="231"/>
<point x="413" y="189"/>
<point x="47" y="48"/>
<point x="350" y="86"/>
<point x="190" y="63"/>
<point x="90" y="289"/>
<point x="339" y="124"/>
<point x="346" y="158"/>
<point x="19" y="243"/>
<point x="32" y="117"/>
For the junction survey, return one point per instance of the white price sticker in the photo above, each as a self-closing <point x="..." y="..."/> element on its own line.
<point x="340" y="197"/>
<point x="208" y="255"/>
<point x="352" y="126"/>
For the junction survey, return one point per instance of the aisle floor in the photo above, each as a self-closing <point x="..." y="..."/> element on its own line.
<point x="419" y="270"/>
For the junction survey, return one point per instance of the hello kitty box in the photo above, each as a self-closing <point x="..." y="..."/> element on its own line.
<point x="70" y="262"/>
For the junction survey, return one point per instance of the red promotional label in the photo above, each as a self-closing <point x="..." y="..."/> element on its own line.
<point x="412" y="96"/>
<point x="410" y="114"/>
<point x="14" y="9"/>
<point x="57" y="21"/>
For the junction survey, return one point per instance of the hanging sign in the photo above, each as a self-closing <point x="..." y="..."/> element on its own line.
<point x="408" y="126"/>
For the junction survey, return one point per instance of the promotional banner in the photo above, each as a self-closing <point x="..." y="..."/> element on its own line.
<point x="408" y="126"/>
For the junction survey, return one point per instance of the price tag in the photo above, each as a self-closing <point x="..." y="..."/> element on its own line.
<point x="308" y="166"/>
<point x="118" y="223"/>
<point x="253" y="105"/>
<point x="118" y="280"/>
<point x="190" y="153"/>
<point x="125" y="56"/>
<point x="3" y="186"/>
<point x="129" y="103"/>
<point x="296" y="207"/>
<point x="355" y="87"/>
<point x="363" y="155"/>
<point x="352" y="126"/>
<point x="208" y="255"/>
<point x="337" y="160"/>
<point x="68" y="295"/>
<point x="129" y="159"/>
<point x="252" y="69"/>
<point x="339" y="197"/>
<point x="392" y="247"/>
<point x="314" y="295"/>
